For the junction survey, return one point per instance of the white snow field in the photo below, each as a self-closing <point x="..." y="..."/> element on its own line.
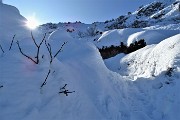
<point x="130" y="35"/>
<point x="142" y="85"/>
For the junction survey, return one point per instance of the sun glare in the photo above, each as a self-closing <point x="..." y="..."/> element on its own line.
<point x="32" y="22"/>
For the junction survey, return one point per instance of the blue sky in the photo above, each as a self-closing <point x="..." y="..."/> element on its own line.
<point x="86" y="11"/>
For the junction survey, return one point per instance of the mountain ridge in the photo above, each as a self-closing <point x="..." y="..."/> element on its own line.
<point x="155" y="13"/>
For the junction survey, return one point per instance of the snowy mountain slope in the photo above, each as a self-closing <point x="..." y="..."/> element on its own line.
<point x="158" y="12"/>
<point x="20" y="81"/>
<point x="169" y="12"/>
<point x="151" y="60"/>
<point x="155" y="15"/>
<point x="100" y="93"/>
<point x="155" y="71"/>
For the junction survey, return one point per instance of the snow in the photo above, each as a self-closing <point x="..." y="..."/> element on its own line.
<point x="130" y="35"/>
<point x="115" y="37"/>
<point x="165" y="27"/>
<point x="151" y="36"/>
<point x="137" y="86"/>
<point x="10" y="16"/>
<point x="172" y="12"/>
<point x="153" y="60"/>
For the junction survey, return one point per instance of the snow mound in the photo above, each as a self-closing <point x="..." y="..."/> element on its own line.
<point x="11" y="17"/>
<point x="79" y="65"/>
<point x="151" y="36"/>
<point x="115" y="37"/>
<point x="11" y="23"/>
<point x="130" y="35"/>
<point x="153" y="60"/>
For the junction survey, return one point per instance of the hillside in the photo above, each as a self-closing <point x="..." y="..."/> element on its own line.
<point x="159" y="14"/>
<point x="155" y="13"/>
<point x="61" y="74"/>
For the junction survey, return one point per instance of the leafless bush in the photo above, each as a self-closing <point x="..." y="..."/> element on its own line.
<point x="50" y="50"/>
<point x="36" y="61"/>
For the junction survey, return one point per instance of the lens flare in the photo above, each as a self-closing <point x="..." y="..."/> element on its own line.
<point x="32" y="22"/>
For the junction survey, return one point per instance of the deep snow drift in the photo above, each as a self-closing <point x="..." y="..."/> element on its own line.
<point x="142" y="85"/>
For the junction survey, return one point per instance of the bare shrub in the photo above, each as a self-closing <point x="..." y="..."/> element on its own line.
<point x="36" y="61"/>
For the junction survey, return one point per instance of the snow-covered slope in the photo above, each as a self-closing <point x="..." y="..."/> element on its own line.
<point x="130" y="35"/>
<point x="11" y="21"/>
<point x="153" y="60"/>
<point x="160" y="12"/>
<point x="155" y="15"/>
<point x="99" y="90"/>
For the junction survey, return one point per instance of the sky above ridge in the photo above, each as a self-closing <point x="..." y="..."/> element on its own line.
<point x="86" y="11"/>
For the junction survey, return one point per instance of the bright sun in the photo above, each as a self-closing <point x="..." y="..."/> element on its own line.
<point x="32" y="22"/>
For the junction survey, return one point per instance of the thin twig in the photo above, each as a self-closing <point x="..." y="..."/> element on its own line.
<point x="34" y="39"/>
<point x="38" y="49"/>
<point x="60" y="49"/>
<point x="49" y="50"/>
<point x="25" y="54"/>
<point x="63" y="87"/>
<point x="12" y="42"/>
<point x="1" y="48"/>
<point x="64" y="90"/>
<point x="44" y="83"/>
<point x="38" y="46"/>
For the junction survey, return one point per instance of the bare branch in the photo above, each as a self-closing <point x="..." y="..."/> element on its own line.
<point x="49" y="50"/>
<point x="44" y="83"/>
<point x="42" y="40"/>
<point x="34" y="39"/>
<point x="64" y="90"/>
<point x="12" y="42"/>
<point x="25" y="54"/>
<point x="1" y="48"/>
<point x="63" y="87"/>
<point x="38" y="46"/>
<point x="60" y="49"/>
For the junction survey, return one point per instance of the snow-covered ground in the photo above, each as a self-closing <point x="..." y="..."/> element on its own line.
<point x="142" y="85"/>
<point x="130" y="35"/>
